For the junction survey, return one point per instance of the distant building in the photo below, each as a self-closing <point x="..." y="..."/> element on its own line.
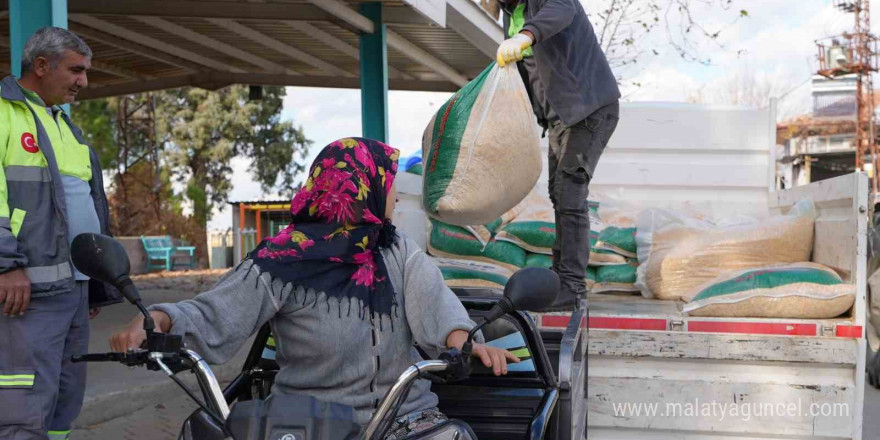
<point x="820" y="145"/>
<point x="255" y="220"/>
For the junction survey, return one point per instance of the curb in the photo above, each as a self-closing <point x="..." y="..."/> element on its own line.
<point x="104" y="407"/>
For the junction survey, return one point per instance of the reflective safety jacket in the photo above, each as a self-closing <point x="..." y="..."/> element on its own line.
<point x="35" y="149"/>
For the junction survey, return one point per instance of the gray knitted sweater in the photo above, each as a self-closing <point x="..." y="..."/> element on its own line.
<point x="331" y="349"/>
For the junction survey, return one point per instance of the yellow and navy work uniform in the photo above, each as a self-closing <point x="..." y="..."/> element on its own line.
<point x="51" y="189"/>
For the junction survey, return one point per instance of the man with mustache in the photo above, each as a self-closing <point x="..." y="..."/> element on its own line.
<point x="50" y="191"/>
<point x="574" y="96"/>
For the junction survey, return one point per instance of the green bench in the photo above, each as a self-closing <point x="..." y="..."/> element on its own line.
<point x="163" y="249"/>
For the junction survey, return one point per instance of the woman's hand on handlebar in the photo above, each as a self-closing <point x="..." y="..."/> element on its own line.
<point x="134" y="335"/>
<point x="494" y="358"/>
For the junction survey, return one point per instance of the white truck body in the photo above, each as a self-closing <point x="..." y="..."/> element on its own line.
<point x="655" y="373"/>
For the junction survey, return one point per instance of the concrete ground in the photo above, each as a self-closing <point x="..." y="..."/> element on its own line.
<point x="136" y="404"/>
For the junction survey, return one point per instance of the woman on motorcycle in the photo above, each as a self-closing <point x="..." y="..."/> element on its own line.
<point x="346" y="295"/>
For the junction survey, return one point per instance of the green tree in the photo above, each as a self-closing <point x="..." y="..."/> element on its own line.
<point x="204" y="130"/>
<point x="97" y="121"/>
<point x="190" y="136"/>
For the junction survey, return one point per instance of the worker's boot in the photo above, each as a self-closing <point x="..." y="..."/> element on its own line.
<point x="566" y="302"/>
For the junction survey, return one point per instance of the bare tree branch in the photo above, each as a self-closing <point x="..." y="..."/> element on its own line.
<point x="626" y="29"/>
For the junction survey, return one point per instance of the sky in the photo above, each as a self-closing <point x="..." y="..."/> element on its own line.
<point x="774" y="44"/>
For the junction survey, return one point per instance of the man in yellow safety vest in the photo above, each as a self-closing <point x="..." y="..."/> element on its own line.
<point x="50" y="191"/>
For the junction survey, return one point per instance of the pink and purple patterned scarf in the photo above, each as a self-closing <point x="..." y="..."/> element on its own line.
<point x="332" y="245"/>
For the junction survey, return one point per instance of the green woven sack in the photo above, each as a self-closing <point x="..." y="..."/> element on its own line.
<point x="618" y="273"/>
<point x="539" y="260"/>
<point x="469" y="273"/>
<point x="618" y="240"/>
<point x="801" y="290"/>
<point x="769" y="278"/>
<point x="535" y="234"/>
<point x="449" y="241"/>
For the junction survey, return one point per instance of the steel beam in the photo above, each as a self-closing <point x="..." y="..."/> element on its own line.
<point x="374" y="74"/>
<point x="25" y="17"/>
<point x="153" y="43"/>
<point x="214" y="80"/>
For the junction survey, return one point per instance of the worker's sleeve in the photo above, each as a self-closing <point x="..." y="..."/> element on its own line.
<point x="432" y="310"/>
<point x="218" y="322"/>
<point x="10" y="256"/>
<point x="553" y="17"/>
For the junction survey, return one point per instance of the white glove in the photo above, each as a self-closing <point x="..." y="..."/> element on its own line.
<point x="511" y="50"/>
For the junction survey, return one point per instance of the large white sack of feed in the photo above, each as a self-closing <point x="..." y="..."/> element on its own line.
<point x="678" y="254"/>
<point x="481" y="150"/>
<point x="801" y="290"/>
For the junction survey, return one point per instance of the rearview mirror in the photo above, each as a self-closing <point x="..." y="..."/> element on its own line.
<point x="104" y="259"/>
<point x="532" y="288"/>
<point x="100" y="257"/>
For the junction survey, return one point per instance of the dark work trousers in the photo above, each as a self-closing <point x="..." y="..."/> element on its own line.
<point x="573" y="155"/>
<point x="41" y="391"/>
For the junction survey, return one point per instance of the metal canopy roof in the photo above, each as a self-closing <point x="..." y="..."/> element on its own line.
<point x="143" y="45"/>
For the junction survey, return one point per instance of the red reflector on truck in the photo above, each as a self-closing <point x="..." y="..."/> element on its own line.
<point x="557" y="321"/>
<point x="755" y="328"/>
<point x="849" y="331"/>
<point x="606" y="323"/>
<point x="626" y="323"/>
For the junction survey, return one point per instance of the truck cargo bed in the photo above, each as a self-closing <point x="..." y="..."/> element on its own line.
<point x="646" y="356"/>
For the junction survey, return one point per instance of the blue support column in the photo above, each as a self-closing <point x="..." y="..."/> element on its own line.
<point x="374" y="75"/>
<point x="25" y="17"/>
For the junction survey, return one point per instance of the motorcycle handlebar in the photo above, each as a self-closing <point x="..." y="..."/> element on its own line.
<point x="98" y="357"/>
<point x="132" y="358"/>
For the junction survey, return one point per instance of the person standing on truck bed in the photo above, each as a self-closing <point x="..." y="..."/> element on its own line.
<point x="575" y="97"/>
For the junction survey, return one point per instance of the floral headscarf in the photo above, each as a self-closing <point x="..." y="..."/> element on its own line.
<point x="338" y="227"/>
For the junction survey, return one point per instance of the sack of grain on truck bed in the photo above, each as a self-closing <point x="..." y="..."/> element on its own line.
<point x="539" y="260"/>
<point x="621" y="241"/>
<point x="546" y="262"/>
<point x="678" y="254"/>
<point x="801" y="291"/>
<point x="616" y="278"/>
<point x="481" y="150"/>
<point x="450" y="241"/>
<point x="616" y="212"/>
<point x="615" y="223"/>
<point x="531" y="225"/>
<point x="470" y="273"/>
<point x="602" y="257"/>
<point x="484" y="233"/>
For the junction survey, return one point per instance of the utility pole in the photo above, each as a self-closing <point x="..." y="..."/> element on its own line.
<point x="855" y="53"/>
